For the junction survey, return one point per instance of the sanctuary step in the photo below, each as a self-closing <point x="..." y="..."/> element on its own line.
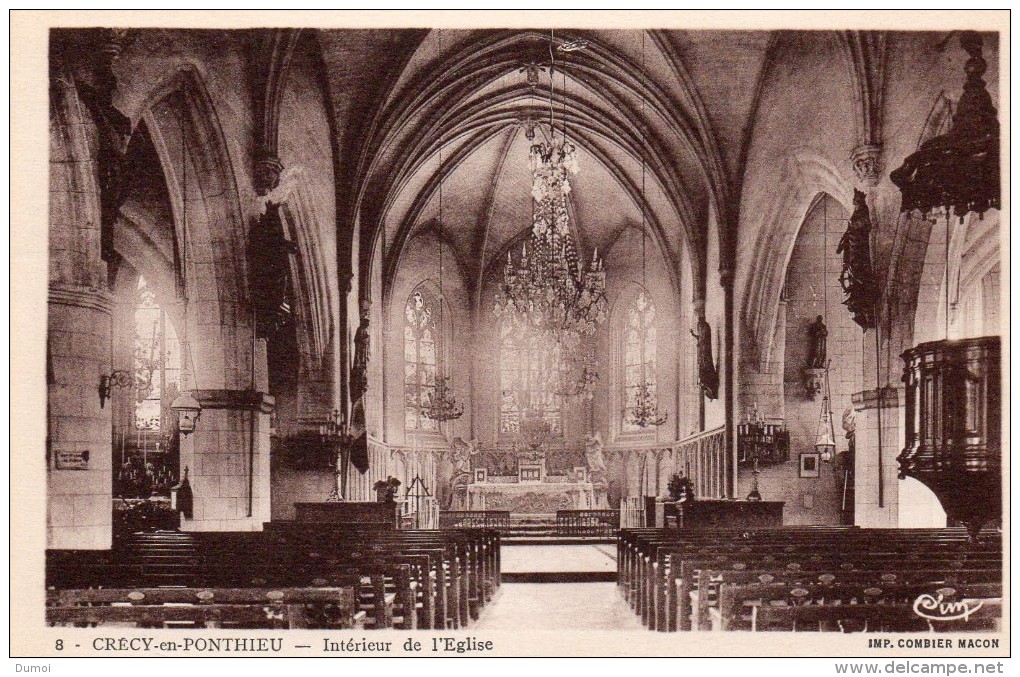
<point x="164" y="557"/>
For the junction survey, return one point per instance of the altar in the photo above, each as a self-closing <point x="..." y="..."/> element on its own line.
<point x="531" y="497"/>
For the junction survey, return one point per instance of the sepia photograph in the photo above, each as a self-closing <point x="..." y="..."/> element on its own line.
<point x="526" y="334"/>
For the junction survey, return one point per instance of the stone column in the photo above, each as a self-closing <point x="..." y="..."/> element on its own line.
<point x="876" y="487"/>
<point x="228" y="461"/>
<point x="79" y="450"/>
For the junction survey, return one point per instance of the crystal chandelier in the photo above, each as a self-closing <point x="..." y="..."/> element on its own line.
<point x="547" y="291"/>
<point x="442" y="404"/>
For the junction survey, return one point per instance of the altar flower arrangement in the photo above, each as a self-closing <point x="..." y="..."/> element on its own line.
<point x="680" y="488"/>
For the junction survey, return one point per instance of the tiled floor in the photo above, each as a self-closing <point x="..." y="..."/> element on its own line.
<point x="558" y="606"/>
<point x="547" y="558"/>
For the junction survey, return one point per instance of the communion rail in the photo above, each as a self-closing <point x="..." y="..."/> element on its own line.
<point x="587" y="522"/>
<point x="478" y="519"/>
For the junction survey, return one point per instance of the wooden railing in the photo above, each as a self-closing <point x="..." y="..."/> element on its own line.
<point x="703" y="459"/>
<point x="461" y="519"/>
<point x="587" y="522"/>
<point x="632" y="513"/>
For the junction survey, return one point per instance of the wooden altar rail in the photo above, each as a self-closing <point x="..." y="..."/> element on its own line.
<point x="483" y="519"/>
<point x="703" y="459"/>
<point x="587" y="522"/>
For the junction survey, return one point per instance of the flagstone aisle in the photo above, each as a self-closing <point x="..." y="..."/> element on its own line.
<point x="558" y="606"/>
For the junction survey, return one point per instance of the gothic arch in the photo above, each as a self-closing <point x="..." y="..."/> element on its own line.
<point x="807" y="173"/>
<point x="191" y="145"/>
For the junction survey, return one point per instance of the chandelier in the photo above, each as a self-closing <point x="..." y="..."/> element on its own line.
<point x="645" y="411"/>
<point x="442" y="404"/>
<point x="547" y="291"/>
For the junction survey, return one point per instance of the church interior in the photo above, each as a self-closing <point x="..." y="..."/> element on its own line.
<point x="671" y="330"/>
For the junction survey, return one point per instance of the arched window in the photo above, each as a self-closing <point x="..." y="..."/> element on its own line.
<point x="639" y="359"/>
<point x="422" y="351"/>
<point x="148" y="447"/>
<point x="529" y="378"/>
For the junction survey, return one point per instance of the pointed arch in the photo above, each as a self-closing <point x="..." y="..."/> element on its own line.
<point x="807" y="173"/>
<point x="191" y="145"/>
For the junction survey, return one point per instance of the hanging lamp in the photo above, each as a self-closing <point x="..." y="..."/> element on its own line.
<point x="442" y="404"/>
<point x="185" y="407"/>
<point x="645" y="412"/>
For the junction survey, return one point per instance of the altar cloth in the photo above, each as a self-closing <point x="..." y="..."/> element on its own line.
<point x="530" y="497"/>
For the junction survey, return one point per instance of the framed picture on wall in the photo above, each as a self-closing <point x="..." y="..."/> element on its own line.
<point x="810" y="464"/>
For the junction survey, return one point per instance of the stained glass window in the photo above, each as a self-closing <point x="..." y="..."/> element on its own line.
<point x="529" y="378"/>
<point x="422" y="347"/>
<point x="157" y="359"/>
<point x="638" y="356"/>
<point x="147" y="445"/>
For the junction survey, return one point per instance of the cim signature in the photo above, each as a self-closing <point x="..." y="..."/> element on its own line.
<point x="935" y="608"/>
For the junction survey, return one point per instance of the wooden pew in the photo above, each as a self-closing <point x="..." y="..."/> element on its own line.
<point x="206" y="607"/>
<point x="829" y="607"/>
<point x="648" y="559"/>
<point x="706" y="594"/>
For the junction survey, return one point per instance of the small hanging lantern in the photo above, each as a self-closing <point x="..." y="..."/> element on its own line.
<point x="825" y="438"/>
<point x="187" y="409"/>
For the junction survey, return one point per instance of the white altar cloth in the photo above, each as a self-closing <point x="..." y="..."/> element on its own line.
<point x="531" y="497"/>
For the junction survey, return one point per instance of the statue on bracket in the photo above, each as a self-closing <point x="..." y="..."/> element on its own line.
<point x="594" y="454"/>
<point x="817" y="333"/>
<point x="858" y="277"/>
<point x="814" y="370"/>
<point x="362" y="354"/>
<point x="708" y="375"/>
<point x="359" y="385"/>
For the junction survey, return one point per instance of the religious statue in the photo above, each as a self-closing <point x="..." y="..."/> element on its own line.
<point x="817" y="334"/>
<point x="850" y="427"/>
<point x="708" y="376"/>
<point x="858" y="277"/>
<point x="594" y="454"/>
<point x="461" y="453"/>
<point x="362" y="354"/>
<point x="456" y="471"/>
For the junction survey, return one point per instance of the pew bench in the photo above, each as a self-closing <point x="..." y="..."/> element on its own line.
<point x="206" y="607"/>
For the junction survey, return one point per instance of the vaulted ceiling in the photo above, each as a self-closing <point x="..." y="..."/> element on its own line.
<point x="424" y="112"/>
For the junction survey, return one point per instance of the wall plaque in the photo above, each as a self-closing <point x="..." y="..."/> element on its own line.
<point x="72" y="460"/>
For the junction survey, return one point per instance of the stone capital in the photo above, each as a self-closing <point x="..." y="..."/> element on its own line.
<point x="267" y="172"/>
<point x="866" y="163"/>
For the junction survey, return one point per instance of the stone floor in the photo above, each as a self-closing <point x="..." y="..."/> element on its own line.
<point x="558" y="606"/>
<point x="597" y="557"/>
